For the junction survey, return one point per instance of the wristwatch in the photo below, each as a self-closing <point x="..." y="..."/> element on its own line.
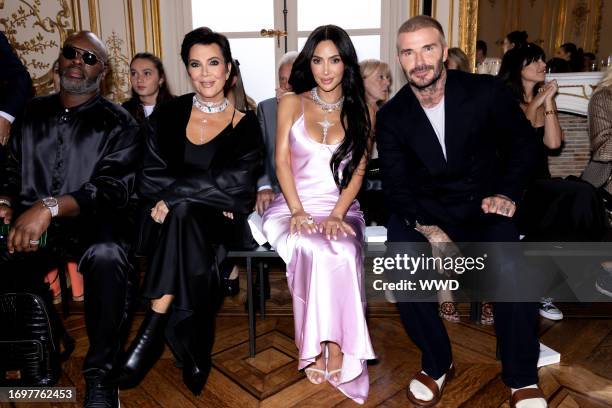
<point x="52" y="204"/>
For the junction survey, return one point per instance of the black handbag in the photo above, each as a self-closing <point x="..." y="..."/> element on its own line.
<point x="30" y="341"/>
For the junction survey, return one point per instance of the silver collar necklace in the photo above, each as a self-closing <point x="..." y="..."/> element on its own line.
<point x="324" y="105"/>
<point x="210" y="107"/>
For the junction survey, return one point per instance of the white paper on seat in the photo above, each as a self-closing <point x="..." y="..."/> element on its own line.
<point x="376" y="233"/>
<point x="256" y="225"/>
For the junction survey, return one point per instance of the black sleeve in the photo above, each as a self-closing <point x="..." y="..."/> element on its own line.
<point x="15" y="82"/>
<point x="113" y="181"/>
<point x="230" y="186"/>
<point x="10" y="168"/>
<point x="516" y="140"/>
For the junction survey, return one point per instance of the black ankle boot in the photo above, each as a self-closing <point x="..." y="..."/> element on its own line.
<point x="144" y="351"/>
<point x="195" y="376"/>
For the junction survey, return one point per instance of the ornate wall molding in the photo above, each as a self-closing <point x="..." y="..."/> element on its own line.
<point x="575" y="90"/>
<point x="36" y="32"/>
<point x="468" y="28"/>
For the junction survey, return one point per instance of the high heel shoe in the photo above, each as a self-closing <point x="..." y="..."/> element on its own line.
<point x="144" y="351"/>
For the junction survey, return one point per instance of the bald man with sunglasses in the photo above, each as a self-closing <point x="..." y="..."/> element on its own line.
<point x="70" y="172"/>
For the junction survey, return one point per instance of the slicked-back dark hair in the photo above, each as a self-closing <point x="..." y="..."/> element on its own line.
<point x="354" y="117"/>
<point x="206" y="36"/>
<point x="513" y="63"/>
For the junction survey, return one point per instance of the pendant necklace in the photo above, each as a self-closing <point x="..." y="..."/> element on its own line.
<point x="327" y="108"/>
<point x="208" y="107"/>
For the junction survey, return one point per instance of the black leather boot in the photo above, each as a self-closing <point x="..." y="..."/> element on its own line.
<point x="142" y="354"/>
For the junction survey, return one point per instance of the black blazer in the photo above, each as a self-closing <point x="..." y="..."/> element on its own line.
<point x="231" y="181"/>
<point x="490" y="145"/>
<point x="15" y="82"/>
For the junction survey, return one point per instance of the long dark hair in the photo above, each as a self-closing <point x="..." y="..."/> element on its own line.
<point x="518" y="38"/>
<point x="354" y="117"/>
<point x="576" y="54"/>
<point x="513" y="63"/>
<point x="133" y="104"/>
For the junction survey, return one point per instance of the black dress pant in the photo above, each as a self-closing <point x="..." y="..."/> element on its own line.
<point x="103" y="250"/>
<point x="515" y="323"/>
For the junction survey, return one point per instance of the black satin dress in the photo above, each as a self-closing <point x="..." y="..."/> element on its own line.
<point x="197" y="182"/>
<point x="559" y="210"/>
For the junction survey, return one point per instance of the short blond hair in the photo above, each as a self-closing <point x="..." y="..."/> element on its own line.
<point x="606" y="81"/>
<point x="370" y="66"/>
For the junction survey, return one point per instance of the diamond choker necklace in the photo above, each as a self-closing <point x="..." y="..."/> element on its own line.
<point x="324" y="105"/>
<point x="210" y="107"/>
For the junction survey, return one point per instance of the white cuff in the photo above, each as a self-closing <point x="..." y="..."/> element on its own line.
<point x="7" y="116"/>
<point x="265" y="187"/>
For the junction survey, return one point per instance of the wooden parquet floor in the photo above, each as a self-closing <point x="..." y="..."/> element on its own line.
<point x="271" y="379"/>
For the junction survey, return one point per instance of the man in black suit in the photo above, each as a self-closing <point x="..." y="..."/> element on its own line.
<point x="456" y="152"/>
<point x="15" y="88"/>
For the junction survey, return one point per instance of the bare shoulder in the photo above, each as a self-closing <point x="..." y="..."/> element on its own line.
<point x="290" y="106"/>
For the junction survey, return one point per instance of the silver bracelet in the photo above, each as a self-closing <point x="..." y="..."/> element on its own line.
<point x="4" y="201"/>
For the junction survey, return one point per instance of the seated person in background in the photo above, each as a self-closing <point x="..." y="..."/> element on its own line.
<point x="377" y="81"/>
<point x="71" y="171"/>
<point x="15" y="89"/>
<point x="149" y="86"/>
<point x="202" y="157"/>
<point x="599" y="170"/>
<point x="553" y="209"/>
<point x="457" y="60"/>
<point x="267" y="185"/>
<point x="484" y="64"/>
<point x="515" y="39"/>
<point x="572" y="54"/>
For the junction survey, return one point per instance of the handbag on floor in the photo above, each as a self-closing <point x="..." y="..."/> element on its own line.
<point x="30" y="352"/>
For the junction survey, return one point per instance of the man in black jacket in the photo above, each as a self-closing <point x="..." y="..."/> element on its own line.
<point x="456" y="153"/>
<point x="15" y="88"/>
<point x="70" y="171"/>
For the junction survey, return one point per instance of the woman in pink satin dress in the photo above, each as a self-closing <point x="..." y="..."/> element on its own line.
<point x="322" y="143"/>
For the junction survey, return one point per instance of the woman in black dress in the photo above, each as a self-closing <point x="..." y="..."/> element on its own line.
<point x="553" y="209"/>
<point x="201" y="165"/>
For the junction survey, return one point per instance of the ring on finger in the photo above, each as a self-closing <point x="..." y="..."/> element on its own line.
<point x="34" y="242"/>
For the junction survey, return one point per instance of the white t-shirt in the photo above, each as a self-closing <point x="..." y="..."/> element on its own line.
<point x="436" y="118"/>
<point x="148" y="109"/>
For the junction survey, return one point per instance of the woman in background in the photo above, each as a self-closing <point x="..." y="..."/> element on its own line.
<point x="323" y="134"/>
<point x="457" y="60"/>
<point x="553" y="209"/>
<point x="377" y="81"/>
<point x="149" y="86"/>
<point x="515" y="39"/>
<point x="599" y="170"/>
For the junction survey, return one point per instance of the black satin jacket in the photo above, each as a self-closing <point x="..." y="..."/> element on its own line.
<point x="229" y="185"/>
<point x="91" y="152"/>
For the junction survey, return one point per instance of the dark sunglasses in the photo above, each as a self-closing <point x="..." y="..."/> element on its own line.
<point x="71" y="52"/>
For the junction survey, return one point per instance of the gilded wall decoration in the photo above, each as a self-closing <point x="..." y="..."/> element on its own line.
<point x="116" y="84"/>
<point x="36" y="31"/>
<point x="579" y="13"/>
<point x="468" y="28"/>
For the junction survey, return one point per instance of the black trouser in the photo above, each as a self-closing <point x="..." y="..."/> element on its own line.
<point x="106" y="264"/>
<point x="515" y="323"/>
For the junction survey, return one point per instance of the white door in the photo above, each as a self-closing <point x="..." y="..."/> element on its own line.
<point x="242" y="21"/>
